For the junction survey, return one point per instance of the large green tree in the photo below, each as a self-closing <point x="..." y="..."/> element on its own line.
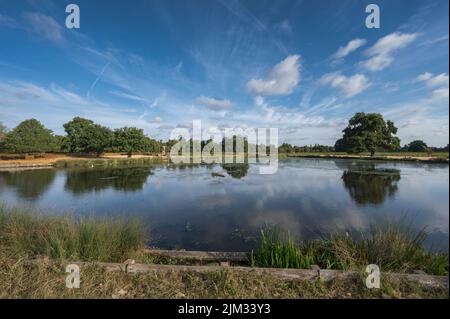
<point x="30" y="136"/>
<point x="84" y="136"/>
<point x="129" y="140"/>
<point x="368" y="133"/>
<point x="417" y="146"/>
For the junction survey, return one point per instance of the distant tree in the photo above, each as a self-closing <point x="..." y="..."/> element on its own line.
<point x="2" y="131"/>
<point x="129" y="140"/>
<point x="234" y="141"/>
<point x="368" y="132"/>
<point x="285" y="148"/>
<point x="2" y="135"/>
<point x="30" y="136"/>
<point x="85" y="136"/>
<point x="417" y="146"/>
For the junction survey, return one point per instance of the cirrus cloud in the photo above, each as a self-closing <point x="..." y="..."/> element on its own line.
<point x="439" y="83"/>
<point x="214" y="104"/>
<point x="352" y="46"/>
<point x="44" y="26"/>
<point x="280" y="80"/>
<point x="349" y="86"/>
<point x="433" y="81"/>
<point x="381" y="53"/>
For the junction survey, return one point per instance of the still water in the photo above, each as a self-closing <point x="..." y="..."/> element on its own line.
<point x="189" y="208"/>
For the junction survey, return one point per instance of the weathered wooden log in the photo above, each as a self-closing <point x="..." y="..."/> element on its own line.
<point x="282" y="274"/>
<point x="204" y="256"/>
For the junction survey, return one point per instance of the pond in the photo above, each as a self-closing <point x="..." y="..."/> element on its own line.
<point x="222" y="208"/>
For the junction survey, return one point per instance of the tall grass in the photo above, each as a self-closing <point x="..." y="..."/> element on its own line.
<point x="278" y="250"/>
<point x="393" y="247"/>
<point x="29" y="234"/>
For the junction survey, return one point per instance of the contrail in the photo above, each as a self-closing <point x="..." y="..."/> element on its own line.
<point x="97" y="79"/>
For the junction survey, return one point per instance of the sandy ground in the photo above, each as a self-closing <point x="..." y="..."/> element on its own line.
<point x="50" y="159"/>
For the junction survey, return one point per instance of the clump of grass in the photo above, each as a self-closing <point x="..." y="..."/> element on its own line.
<point x="278" y="250"/>
<point x="29" y="234"/>
<point x="392" y="247"/>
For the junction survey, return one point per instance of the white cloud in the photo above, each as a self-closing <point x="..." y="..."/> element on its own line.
<point x="381" y="53"/>
<point x="439" y="84"/>
<point x="440" y="94"/>
<point x="280" y="80"/>
<point x="349" y="86"/>
<point x="353" y="45"/>
<point x="378" y="62"/>
<point x="434" y="81"/>
<point x="44" y="26"/>
<point x="213" y="103"/>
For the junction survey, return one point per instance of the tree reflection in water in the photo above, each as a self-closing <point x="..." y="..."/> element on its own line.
<point x="29" y="184"/>
<point x="120" y="179"/>
<point x="236" y="170"/>
<point x="371" y="186"/>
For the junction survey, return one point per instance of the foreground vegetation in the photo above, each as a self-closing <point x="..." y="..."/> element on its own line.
<point x="392" y="247"/>
<point x="28" y="234"/>
<point x="46" y="279"/>
<point x="53" y="241"/>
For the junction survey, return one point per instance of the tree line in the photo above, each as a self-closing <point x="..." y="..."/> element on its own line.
<point x="364" y="133"/>
<point x="82" y="136"/>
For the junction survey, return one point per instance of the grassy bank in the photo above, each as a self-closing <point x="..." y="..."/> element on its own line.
<point x="104" y="162"/>
<point x="438" y="157"/>
<point x="378" y="154"/>
<point x="29" y="234"/>
<point x="392" y="247"/>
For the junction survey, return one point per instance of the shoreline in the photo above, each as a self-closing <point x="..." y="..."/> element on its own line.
<point x="55" y="162"/>
<point x="51" y="162"/>
<point x="393" y="158"/>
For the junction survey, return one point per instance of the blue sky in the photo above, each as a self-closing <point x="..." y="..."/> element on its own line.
<point x="304" y="67"/>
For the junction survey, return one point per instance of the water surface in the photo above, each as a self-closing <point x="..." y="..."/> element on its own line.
<point x="189" y="208"/>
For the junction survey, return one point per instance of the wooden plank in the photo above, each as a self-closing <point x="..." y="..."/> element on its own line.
<point x="282" y="274"/>
<point x="205" y="256"/>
